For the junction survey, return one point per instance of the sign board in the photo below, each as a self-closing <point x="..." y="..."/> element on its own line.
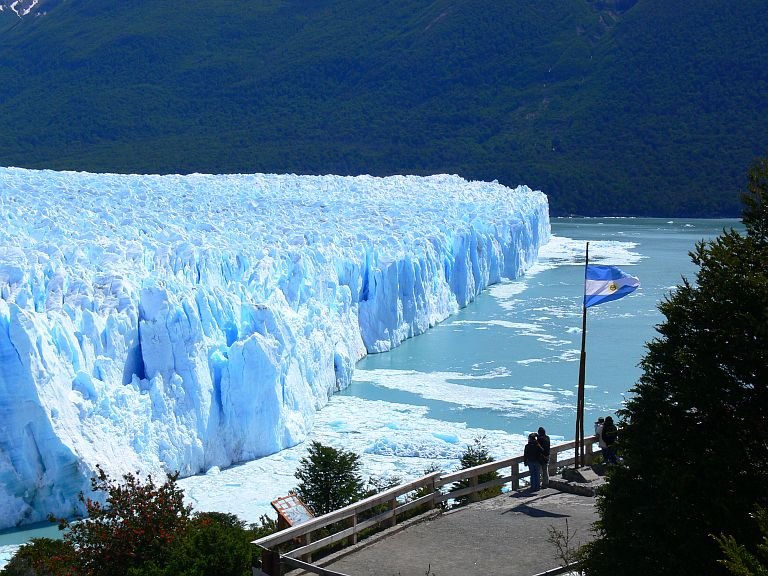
<point x="291" y="510"/>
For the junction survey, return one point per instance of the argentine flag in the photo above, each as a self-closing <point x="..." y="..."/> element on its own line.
<point x="606" y="283"/>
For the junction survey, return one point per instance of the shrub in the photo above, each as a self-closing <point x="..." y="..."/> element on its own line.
<point x="477" y="453"/>
<point x="425" y="491"/>
<point x="42" y="557"/>
<point x="135" y="526"/>
<point x="213" y="544"/>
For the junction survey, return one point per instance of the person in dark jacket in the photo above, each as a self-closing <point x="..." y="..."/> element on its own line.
<point x="609" y="434"/>
<point x="545" y="446"/>
<point x="532" y="456"/>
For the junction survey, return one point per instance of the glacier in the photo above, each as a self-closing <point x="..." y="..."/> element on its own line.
<point x="153" y="323"/>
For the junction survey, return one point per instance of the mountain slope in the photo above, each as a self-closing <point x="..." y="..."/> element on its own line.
<point x="619" y="107"/>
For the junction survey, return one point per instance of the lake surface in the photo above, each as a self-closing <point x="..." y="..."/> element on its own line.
<point x="510" y="360"/>
<point x="501" y="367"/>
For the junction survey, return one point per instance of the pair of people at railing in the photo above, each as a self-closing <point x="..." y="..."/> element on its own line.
<point x="536" y="458"/>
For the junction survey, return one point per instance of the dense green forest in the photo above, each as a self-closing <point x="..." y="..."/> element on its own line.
<point x="611" y="107"/>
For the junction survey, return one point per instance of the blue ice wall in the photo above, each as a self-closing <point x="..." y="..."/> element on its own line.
<point x="182" y="322"/>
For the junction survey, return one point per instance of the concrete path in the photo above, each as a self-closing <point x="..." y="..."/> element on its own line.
<point x="504" y="536"/>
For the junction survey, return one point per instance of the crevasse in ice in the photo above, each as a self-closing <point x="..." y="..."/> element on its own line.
<point x="176" y="323"/>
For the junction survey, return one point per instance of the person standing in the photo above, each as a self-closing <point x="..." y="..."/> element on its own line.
<point x="608" y="436"/>
<point x="545" y="448"/>
<point x="532" y="458"/>
<point x="599" y="426"/>
<point x="599" y="432"/>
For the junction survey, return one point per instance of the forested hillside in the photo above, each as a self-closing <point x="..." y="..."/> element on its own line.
<point x="647" y="107"/>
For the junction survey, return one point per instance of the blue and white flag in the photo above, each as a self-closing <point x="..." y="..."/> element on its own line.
<point x="606" y="283"/>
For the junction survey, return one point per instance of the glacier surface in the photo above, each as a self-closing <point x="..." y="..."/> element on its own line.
<point x="182" y="323"/>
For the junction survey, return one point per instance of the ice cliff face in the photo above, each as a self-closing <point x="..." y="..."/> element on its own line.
<point x="158" y="323"/>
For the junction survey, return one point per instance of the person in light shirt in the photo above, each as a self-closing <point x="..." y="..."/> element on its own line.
<point x="599" y="431"/>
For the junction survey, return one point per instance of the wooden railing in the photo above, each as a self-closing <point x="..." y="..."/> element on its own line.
<point x="347" y="523"/>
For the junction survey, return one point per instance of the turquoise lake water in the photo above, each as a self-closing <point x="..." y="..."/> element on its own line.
<point x="525" y="336"/>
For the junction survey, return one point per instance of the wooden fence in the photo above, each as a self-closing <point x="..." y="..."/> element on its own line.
<point x="425" y="493"/>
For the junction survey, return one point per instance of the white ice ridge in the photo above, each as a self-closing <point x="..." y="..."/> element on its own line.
<point x="163" y="323"/>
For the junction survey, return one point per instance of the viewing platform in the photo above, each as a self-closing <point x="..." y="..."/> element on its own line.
<point x="507" y="535"/>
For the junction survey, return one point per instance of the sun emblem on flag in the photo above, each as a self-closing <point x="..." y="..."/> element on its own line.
<point x="612" y="287"/>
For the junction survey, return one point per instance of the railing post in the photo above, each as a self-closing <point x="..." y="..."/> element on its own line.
<point x="588" y="454"/>
<point x="354" y="528"/>
<point x="473" y="483"/>
<point x="431" y="505"/>
<point x="307" y="541"/>
<point x="270" y="562"/>
<point x="515" y="476"/>
<point x="393" y="506"/>
<point x="552" y="464"/>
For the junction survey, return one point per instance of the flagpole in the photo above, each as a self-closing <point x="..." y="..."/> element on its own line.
<point x="582" y="376"/>
<point x="605" y="283"/>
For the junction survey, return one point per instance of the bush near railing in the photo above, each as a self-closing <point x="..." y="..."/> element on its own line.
<point x="352" y="522"/>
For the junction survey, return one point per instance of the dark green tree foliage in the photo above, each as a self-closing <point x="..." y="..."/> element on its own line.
<point x="611" y="107"/>
<point x="756" y="207"/>
<point x="695" y="432"/>
<point x="329" y="478"/>
<point x="265" y="527"/>
<point x="741" y="562"/>
<point x="216" y="544"/>
<point x="476" y="453"/>
<point x="136" y="525"/>
<point x="213" y="544"/>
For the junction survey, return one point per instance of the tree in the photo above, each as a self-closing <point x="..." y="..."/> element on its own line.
<point x="741" y="562"/>
<point x="136" y="525"/>
<point x="475" y="454"/>
<point x="754" y="199"/>
<point x="330" y="478"/>
<point x="695" y="431"/>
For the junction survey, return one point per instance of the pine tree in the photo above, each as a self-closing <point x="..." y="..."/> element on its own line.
<point x="330" y="478"/>
<point x="695" y="431"/>
<point x="741" y="562"/>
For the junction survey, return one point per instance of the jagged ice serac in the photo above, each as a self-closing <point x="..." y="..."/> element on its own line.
<point x="177" y="323"/>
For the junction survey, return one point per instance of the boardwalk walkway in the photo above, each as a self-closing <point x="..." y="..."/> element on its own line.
<point x="502" y="536"/>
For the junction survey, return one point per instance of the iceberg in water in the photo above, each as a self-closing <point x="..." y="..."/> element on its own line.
<point x="164" y="323"/>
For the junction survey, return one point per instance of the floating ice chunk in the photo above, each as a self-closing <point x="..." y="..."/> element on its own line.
<point x="416" y="446"/>
<point x="450" y="438"/>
